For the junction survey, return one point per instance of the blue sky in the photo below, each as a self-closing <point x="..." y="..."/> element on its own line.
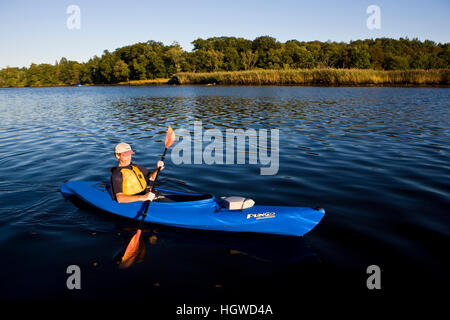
<point x="36" y="31"/>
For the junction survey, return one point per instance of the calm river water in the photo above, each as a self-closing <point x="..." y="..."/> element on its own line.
<point x="377" y="160"/>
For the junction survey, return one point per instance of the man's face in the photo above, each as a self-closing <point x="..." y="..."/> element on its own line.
<point x="125" y="156"/>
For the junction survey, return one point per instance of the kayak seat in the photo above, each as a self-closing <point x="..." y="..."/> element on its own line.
<point x="236" y="203"/>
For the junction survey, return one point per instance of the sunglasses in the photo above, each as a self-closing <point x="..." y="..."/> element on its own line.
<point x="127" y="153"/>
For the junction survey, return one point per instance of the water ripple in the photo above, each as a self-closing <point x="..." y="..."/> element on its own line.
<point x="376" y="158"/>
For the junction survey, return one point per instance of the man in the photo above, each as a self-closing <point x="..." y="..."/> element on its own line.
<point x="129" y="181"/>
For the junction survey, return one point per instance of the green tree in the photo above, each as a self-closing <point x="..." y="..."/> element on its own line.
<point x="296" y="55"/>
<point x="137" y="69"/>
<point x="357" y="57"/>
<point x="266" y="47"/>
<point x="32" y="76"/>
<point x="249" y="59"/>
<point x="174" y="58"/>
<point x="12" y="77"/>
<point x="208" y="60"/>
<point x="392" y="62"/>
<point x="105" y="67"/>
<point x="121" y="71"/>
<point x="376" y="56"/>
<point x="155" y="65"/>
<point x="231" y="59"/>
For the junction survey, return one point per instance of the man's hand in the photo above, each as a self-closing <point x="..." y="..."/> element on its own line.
<point x="159" y="165"/>
<point x="149" y="196"/>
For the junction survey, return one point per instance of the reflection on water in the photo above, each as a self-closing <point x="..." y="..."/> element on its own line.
<point x="138" y="254"/>
<point x="375" y="158"/>
<point x="259" y="248"/>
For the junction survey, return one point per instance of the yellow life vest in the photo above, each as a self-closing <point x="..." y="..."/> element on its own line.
<point x="133" y="181"/>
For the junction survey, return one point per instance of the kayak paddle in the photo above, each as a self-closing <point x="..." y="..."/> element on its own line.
<point x="134" y="242"/>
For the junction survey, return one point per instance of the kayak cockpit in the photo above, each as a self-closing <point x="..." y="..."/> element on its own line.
<point x="174" y="197"/>
<point x="164" y="195"/>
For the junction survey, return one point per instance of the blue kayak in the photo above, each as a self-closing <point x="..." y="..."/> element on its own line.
<point x="199" y="211"/>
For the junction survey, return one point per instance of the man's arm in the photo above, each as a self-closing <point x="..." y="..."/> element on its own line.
<point x="152" y="175"/>
<point x="123" y="198"/>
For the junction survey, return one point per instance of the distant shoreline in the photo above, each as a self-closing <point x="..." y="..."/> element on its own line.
<point x="238" y="61"/>
<point x="323" y="77"/>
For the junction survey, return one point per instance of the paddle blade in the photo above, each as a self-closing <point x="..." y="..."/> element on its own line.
<point x="132" y="247"/>
<point x="170" y="137"/>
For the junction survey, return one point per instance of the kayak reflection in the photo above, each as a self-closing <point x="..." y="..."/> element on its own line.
<point x="261" y="247"/>
<point x="267" y="248"/>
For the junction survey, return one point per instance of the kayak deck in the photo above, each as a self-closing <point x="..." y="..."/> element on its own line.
<point x="200" y="211"/>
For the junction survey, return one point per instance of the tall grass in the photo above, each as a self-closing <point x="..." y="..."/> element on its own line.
<point x="144" y="82"/>
<point x="327" y="76"/>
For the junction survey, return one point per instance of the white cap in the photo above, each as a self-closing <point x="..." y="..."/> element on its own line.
<point x="122" y="147"/>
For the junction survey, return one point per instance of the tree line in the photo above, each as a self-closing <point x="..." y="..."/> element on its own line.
<point x="152" y="60"/>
